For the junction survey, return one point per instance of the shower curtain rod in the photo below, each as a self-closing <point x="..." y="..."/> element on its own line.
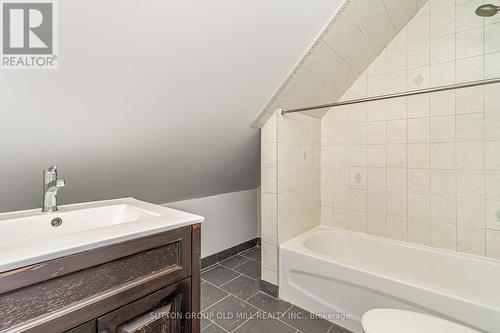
<point x="396" y="95"/>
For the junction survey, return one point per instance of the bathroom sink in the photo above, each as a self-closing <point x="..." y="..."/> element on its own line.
<point x="67" y="221"/>
<point x="29" y="237"/>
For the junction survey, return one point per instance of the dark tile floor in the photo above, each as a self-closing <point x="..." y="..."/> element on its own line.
<point x="231" y="301"/>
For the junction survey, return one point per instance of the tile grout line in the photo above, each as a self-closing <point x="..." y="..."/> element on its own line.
<point x="243" y="273"/>
<point x="229" y="294"/>
<point x="245" y="301"/>
<point x="229" y="281"/>
<point x="276" y="198"/>
<point x="253" y="296"/>
<point x="280" y="320"/>
<point x="247" y="320"/>
<point x="256" y="307"/>
<point x="455" y="140"/>
<point x="485" y="246"/>
<point x="239" y="274"/>
<point x="237" y="254"/>
<point x="222" y="328"/>
<point x="207" y="269"/>
<point x="246" y="251"/>
<point x="223" y="298"/>
<point x="430" y="137"/>
<point x="291" y="306"/>
<point x="237" y="296"/>
<point x="262" y="310"/>
<point x="246" y="260"/>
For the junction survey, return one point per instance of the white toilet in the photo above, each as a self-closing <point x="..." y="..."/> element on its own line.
<point x="402" y="321"/>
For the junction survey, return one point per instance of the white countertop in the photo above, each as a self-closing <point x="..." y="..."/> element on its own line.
<point x="27" y="237"/>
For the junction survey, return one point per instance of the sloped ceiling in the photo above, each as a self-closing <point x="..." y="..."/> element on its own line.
<point x="152" y="98"/>
<point x="359" y="31"/>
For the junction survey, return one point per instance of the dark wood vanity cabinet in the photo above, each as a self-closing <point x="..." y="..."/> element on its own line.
<point x="145" y="285"/>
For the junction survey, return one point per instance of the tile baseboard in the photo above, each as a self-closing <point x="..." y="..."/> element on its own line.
<point x="224" y="254"/>
<point x="269" y="288"/>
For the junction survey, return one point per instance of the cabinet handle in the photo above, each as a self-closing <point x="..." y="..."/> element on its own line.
<point x="155" y="321"/>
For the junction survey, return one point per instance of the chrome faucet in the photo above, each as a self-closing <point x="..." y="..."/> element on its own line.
<point x="50" y="187"/>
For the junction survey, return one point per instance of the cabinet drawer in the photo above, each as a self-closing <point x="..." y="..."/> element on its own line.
<point x="160" y="312"/>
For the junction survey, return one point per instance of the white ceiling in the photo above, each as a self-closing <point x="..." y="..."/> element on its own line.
<point x="152" y="98"/>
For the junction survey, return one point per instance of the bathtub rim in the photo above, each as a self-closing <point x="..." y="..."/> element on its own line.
<point x="296" y="245"/>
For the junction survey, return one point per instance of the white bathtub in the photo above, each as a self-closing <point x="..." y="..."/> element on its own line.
<point x="328" y="270"/>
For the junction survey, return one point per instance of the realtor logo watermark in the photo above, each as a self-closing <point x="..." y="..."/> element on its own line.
<point x="29" y="34"/>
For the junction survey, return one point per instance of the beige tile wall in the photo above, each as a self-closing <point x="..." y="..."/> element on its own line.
<point x="269" y="199"/>
<point x="299" y="140"/>
<point x="290" y="183"/>
<point x="423" y="169"/>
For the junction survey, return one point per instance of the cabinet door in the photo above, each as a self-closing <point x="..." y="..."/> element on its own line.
<point x="161" y="312"/>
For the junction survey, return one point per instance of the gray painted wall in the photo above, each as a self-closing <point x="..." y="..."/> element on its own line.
<point x="230" y="219"/>
<point x="152" y="99"/>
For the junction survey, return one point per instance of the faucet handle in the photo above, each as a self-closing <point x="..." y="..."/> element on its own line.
<point x="50" y="174"/>
<point x="51" y="170"/>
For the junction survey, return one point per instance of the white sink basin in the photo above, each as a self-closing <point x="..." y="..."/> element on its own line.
<point x="28" y="237"/>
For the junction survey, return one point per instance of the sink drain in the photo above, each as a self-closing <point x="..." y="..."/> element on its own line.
<point x="56" y="222"/>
